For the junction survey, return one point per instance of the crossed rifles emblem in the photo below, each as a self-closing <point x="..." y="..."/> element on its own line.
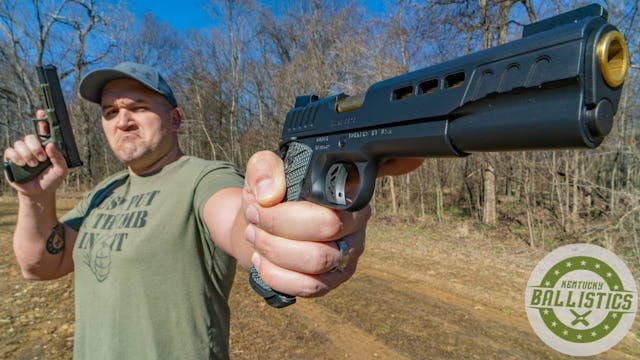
<point x="580" y="318"/>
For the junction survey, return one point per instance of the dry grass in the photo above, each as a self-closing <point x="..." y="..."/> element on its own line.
<point x="422" y="290"/>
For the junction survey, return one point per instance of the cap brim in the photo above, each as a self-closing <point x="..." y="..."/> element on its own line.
<point x="91" y="86"/>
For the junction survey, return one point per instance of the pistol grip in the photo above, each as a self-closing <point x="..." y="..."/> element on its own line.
<point x="296" y="165"/>
<point x="23" y="174"/>
<point x="274" y="298"/>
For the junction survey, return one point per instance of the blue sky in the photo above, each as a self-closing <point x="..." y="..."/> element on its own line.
<point x="186" y="14"/>
<point x="182" y="14"/>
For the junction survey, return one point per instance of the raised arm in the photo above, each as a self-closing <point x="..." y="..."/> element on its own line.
<point x="42" y="245"/>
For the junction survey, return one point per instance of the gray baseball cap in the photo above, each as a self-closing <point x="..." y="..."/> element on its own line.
<point x="92" y="84"/>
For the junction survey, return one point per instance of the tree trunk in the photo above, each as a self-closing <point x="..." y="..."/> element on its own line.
<point x="489" y="216"/>
<point x="392" y="192"/>
<point x="439" y="200"/>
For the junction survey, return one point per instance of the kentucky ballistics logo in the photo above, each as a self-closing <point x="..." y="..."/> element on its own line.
<point x="581" y="299"/>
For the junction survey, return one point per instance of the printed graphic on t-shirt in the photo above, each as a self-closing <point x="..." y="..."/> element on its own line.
<point x="107" y="230"/>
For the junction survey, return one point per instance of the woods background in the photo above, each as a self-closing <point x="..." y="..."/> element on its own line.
<point x="236" y="80"/>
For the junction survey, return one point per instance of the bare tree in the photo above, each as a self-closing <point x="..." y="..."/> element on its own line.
<point x="237" y="80"/>
<point x="48" y="31"/>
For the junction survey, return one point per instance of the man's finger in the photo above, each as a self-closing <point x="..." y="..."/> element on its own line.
<point x="303" y="220"/>
<point x="10" y="154"/>
<point x="394" y="167"/>
<point x="57" y="160"/>
<point x="35" y="147"/>
<point x="265" y="179"/>
<point x="310" y="257"/>
<point x="43" y="128"/>
<point x="299" y="284"/>
<point x="24" y="154"/>
<point x="43" y="125"/>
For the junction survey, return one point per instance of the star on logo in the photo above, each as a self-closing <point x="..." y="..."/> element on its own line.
<point x="594" y="334"/>
<point x="547" y="283"/>
<point x="557" y="272"/>
<point x="597" y="266"/>
<point x="565" y="333"/>
<point x="546" y="312"/>
<point x="609" y="274"/>
<point x="554" y="324"/>
<point x="606" y="327"/>
<point x="569" y="264"/>
<point x="583" y="263"/>
<point x="579" y="337"/>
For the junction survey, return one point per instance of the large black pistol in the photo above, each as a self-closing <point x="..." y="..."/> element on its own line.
<point x="556" y="87"/>
<point x="57" y="129"/>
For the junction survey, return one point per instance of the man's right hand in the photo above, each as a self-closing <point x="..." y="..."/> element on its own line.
<point x="30" y="152"/>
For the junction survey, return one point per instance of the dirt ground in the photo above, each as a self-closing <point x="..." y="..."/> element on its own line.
<point x="423" y="290"/>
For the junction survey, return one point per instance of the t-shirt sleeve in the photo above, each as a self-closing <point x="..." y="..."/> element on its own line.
<point x="74" y="217"/>
<point x="215" y="178"/>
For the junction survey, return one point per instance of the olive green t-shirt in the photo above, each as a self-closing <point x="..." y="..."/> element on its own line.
<point x="150" y="283"/>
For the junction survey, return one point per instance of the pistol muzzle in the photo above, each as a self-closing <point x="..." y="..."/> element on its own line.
<point x="613" y="58"/>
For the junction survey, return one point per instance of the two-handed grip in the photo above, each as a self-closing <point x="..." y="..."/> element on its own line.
<point x="296" y="165"/>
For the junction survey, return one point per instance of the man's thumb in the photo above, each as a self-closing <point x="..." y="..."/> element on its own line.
<point x="265" y="178"/>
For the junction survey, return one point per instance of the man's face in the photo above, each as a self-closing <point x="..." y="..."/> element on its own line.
<point x="140" y="125"/>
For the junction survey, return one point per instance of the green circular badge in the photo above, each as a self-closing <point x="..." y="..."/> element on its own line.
<point x="581" y="299"/>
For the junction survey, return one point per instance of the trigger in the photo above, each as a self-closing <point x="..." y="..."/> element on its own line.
<point x="336" y="181"/>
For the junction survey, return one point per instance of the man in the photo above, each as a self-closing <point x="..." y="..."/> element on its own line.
<point x="153" y="248"/>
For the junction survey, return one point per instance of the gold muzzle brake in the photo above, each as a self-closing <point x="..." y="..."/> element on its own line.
<point x="613" y="58"/>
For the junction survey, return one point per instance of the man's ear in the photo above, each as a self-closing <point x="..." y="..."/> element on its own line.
<point x="176" y="118"/>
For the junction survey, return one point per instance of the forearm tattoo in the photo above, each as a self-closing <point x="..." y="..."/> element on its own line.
<point x="55" y="241"/>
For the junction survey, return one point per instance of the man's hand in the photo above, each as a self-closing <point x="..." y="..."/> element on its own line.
<point x="30" y="152"/>
<point x="295" y="242"/>
<point x="392" y="167"/>
<point x="37" y="219"/>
